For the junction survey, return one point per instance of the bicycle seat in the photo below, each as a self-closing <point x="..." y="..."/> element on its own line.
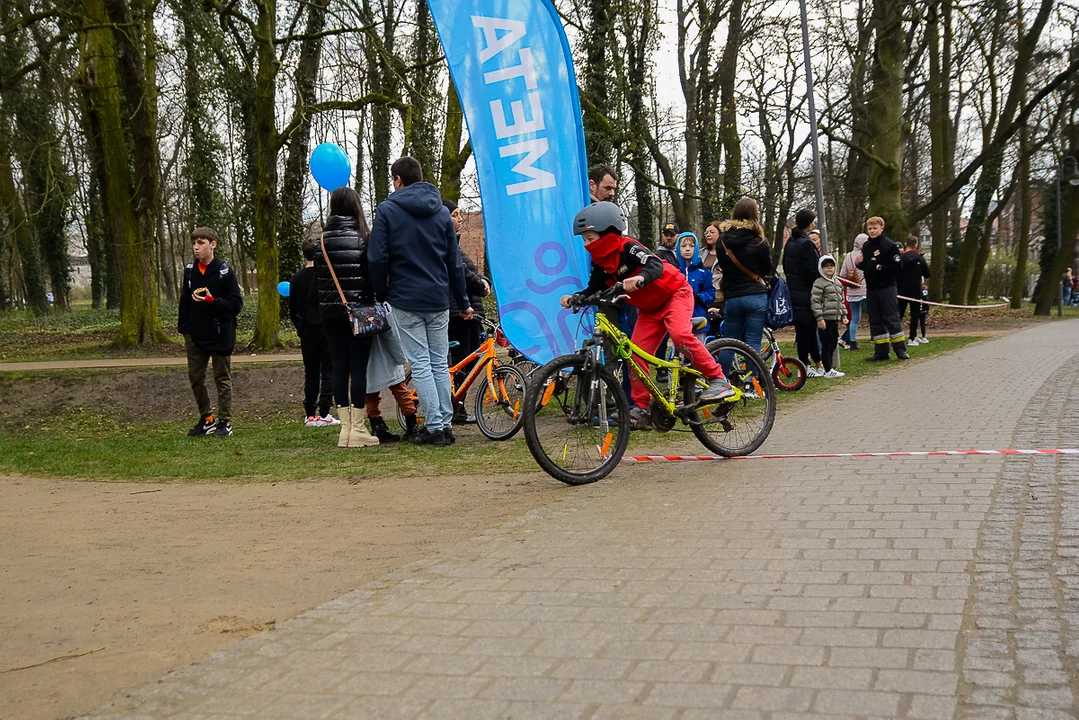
<point x="453" y="344"/>
<point x="699" y="324"/>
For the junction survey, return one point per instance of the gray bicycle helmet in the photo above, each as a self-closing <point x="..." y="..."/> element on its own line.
<point x="601" y="217"/>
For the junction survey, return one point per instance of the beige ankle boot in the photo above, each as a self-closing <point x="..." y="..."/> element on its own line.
<point x="346" y="425"/>
<point x="358" y="435"/>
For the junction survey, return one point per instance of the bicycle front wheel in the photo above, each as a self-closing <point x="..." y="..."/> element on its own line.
<point x="790" y="374"/>
<point x="499" y="406"/>
<point x="576" y="420"/>
<point x="733" y="429"/>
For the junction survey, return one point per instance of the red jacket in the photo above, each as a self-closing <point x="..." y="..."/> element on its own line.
<point x="615" y="258"/>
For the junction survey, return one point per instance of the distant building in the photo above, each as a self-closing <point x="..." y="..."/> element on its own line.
<point x="473" y="240"/>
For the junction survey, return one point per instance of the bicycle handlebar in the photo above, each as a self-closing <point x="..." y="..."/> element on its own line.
<point x="604" y="297"/>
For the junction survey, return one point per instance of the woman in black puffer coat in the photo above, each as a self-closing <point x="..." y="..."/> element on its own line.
<point x="344" y="240"/>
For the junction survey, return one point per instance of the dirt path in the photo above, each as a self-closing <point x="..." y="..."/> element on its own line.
<point x="159" y="579"/>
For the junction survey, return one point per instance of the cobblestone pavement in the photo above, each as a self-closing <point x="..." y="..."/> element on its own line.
<point x="915" y="587"/>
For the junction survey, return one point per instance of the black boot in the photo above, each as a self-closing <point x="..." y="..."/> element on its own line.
<point x="853" y="345"/>
<point x="410" y="427"/>
<point x="880" y="352"/>
<point x="900" y="348"/>
<point x="380" y="430"/>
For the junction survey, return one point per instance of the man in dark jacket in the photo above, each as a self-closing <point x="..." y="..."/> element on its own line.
<point x="210" y="300"/>
<point x="800" y="258"/>
<point x="882" y="264"/>
<point x="914" y="270"/>
<point x="303" y="309"/>
<point x="415" y="264"/>
<point x="666" y="251"/>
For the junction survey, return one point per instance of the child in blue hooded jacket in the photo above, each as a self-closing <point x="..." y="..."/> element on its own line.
<point x="696" y="274"/>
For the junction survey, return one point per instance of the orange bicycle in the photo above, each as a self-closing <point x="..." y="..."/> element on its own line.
<point x="499" y="396"/>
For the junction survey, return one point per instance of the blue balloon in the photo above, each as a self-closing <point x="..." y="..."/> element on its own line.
<point x="330" y="166"/>
<point x="283" y="288"/>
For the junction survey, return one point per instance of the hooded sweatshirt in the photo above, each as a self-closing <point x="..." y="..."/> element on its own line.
<point x="852" y="273"/>
<point x="412" y="254"/>
<point x="615" y="258"/>
<point x="697" y="276"/>
<point x="826" y="297"/>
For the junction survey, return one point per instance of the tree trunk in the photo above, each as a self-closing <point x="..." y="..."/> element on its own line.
<point x="454" y="156"/>
<point x="32" y="272"/>
<point x="855" y="180"/>
<point x="1049" y="282"/>
<point x="267" y="319"/>
<point x="425" y="52"/>
<point x="140" y="92"/>
<point x="201" y="168"/>
<point x="290" y="218"/>
<point x="940" y="142"/>
<point x="885" y="102"/>
<point x="638" y="40"/>
<point x="597" y="81"/>
<point x="101" y="75"/>
<point x="95" y="244"/>
<point x="1022" y="251"/>
<point x="728" y="109"/>
<point x="989" y="179"/>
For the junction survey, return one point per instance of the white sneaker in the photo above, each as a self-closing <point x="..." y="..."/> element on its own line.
<point x="833" y="373"/>
<point x="923" y="341"/>
<point x="813" y="372"/>
<point x="913" y="343"/>
<point x="327" y="420"/>
<point x="311" y="421"/>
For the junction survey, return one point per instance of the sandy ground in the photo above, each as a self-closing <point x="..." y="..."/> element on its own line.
<point x="155" y="580"/>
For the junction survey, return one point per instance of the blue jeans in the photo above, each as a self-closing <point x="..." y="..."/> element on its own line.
<point x="743" y="319"/>
<point x="851" y="333"/>
<point x="425" y="340"/>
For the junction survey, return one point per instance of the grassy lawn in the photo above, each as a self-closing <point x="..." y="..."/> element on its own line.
<point x="276" y="447"/>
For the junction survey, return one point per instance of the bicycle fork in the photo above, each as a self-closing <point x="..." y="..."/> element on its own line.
<point x="598" y="395"/>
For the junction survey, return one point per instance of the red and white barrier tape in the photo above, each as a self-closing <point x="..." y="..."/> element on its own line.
<point x="961" y="307"/>
<point x="816" y="456"/>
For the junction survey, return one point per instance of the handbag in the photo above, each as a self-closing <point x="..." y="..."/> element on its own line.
<point x="363" y="319"/>
<point x="738" y="264"/>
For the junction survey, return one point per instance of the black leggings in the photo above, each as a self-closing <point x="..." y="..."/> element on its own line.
<point x="349" y="355"/>
<point x="317" y="371"/>
<point x="805" y="337"/>
<point x="829" y="338"/>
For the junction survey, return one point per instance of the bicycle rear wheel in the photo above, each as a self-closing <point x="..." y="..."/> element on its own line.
<point x="499" y="408"/>
<point x="736" y="428"/>
<point x="576" y="420"/>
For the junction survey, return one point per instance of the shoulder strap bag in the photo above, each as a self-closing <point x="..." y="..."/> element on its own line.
<point x="363" y="319"/>
<point x="738" y="264"/>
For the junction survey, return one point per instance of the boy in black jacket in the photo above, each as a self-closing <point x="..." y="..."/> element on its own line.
<point x="210" y="300"/>
<point x="881" y="263"/>
<point x="317" y="363"/>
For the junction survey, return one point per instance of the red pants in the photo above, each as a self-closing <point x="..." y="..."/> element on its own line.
<point x="674" y="319"/>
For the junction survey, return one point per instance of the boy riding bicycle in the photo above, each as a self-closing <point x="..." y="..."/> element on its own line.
<point x="659" y="292"/>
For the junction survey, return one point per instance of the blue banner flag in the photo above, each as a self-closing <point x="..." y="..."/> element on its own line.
<point x="511" y="63"/>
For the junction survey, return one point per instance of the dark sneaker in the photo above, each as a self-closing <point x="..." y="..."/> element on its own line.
<point x="223" y="428"/>
<point x="718" y="389"/>
<point x="639" y="419"/>
<point x="203" y="427"/>
<point x="450" y="437"/>
<point x="428" y="437"/>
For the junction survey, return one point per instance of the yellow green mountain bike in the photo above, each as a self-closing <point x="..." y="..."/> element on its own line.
<point x="576" y="415"/>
